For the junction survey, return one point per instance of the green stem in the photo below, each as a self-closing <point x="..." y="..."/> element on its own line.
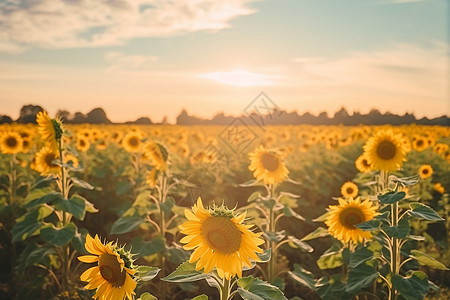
<point x="395" y="253"/>
<point x="163" y="234"/>
<point x="12" y="196"/>
<point x="272" y="261"/>
<point x="225" y="289"/>
<point x="65" y="220"/>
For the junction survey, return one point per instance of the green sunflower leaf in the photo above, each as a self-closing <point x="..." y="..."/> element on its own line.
<point x="426" y="260"/>
<point x="423" y="211"/>
<point x="317" y="233"/>
<point x="186" y="273"/>
<point x="251" y="288"/>
<point x="391" y="197"/>
<point x="303" y="277"/>
<point x="413" y="287"/>
<point x="58" y="236"/>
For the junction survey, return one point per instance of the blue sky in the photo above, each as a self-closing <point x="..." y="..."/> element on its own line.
<point x="153" y="58"/>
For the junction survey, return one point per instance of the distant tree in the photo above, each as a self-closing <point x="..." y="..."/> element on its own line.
<point x="64" y="115"/>
<point x="97" y="116"/>
<point x="28" y="113"/>
<point x="143" y="121"/>
<point x="5" y="119"/>
<point x="79" y="118"/>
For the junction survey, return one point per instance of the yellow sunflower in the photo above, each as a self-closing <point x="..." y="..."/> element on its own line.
<point x="83" y="143"/>
<point x="51" y="130"/>
<point x="151" y="177"/>
<point x="420" y="143"/>
<point x="132" y="142"/>
<point x="267" y="165"/>
<point x="349" y="189"/>
<point x="71" y="159"/>
<point x="440" y="148"/>
<point x="425" y="171"/>
<point x="385" y="150"/>
<point x="157" y="154"/>
<point x="342" y="219"/>
<point x="439" y="188"/>
<point x="11" y="142"/>
<point x="220" y="240"/>
<point x="362" y="164"/>
<point x="44" y="161"/>
<point x="112" y="277"/>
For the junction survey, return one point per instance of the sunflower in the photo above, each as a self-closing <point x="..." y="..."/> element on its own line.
<point x="11" y="142"/>
<point x="385" y="150"/>
<point x="71" y="159"/>
<point x="349" y="189"/>
<point x="267" y="165"/>
<point x="82" y="143"/>
<point x="44" y="161"/>
<point x="220" y="240"/>
<point x="362" y="164"/>
<point x="50" y="129"/>
<point x="157" y="154"/>
<point x="151" y="177"/>
<point x="425" y="171"/>
<point x="439" y="188"/>
<point x="112" y="277"/>
<point x="420" y="143"/>
<point x="132" y="142"/>
<point x="342" y="219"/>
<point x="440" y="148"/>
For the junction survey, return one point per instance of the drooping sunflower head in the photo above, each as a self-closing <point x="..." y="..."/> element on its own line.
<point x="342" y="219"/>
<point x="11" y="142"/>
<point x="220" y="240"/>
<point x="157" y="155"/>
<point x="425" y="171"/>
<point x="44" y="162"/>
<point x="51" y="130"/>
<point x="132" y="142"/>
<point x="151" y="177"/>
<point x="362" y="164"/>
<point x="385" y="150"/>
<point x="267" y="165"/>
<point x="349" y="189"/>
<point x="439" y="188"/>
<point x="112" y="275"/>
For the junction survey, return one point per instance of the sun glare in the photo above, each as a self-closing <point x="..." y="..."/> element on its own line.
<point x="240" y="78"/>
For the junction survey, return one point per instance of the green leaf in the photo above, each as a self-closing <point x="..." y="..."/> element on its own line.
<point x="35" y="254"/>
<point x="58" y="236"/>
<point x="81" y="183"/>
<point x="253" y="197"/>
<point x="252" y="182"/>
<point x="360" y="256"/>
<point x="30" y="223"/>
<point x="303" y="277"/>
<point x="201" y="297"/>
<point x="75" y="206"/>
<point x="185" y="273"/>
<point x="156" y="245"/>
<point x="410" y="180"/>
<point x="425" y="212"/>
<point x="147" y="296"/>
<point x="400" y="231"/>
<point x="264" y="257"/>
<point x="289" y="212"/>
<point x="322" y="218"/>
<point x="318" y="233"/>
<point x="413" y="287"/>
<point x="331" y="259"/>
<point x="251" y="288"/>
<point x="146" y="273"/>
<point x="123" y="187"/>
<point x="360" y="277"/>
<point x="270" y="203"/>
<point x="44" y="199"/>
<point x="391" y="197"/>
<point x="426" y="260"/>
<point x="298" y="244"/>
<point x="371" y="225"/>
<point x="274" y="236"/>
<point x="332" y="289"/>
<point x="167" y="205"/>
<point x="126" y="224"/>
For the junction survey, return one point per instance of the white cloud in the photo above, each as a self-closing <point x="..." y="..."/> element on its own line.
<point x="121" y="61"/>
<point x="91" y="23"/>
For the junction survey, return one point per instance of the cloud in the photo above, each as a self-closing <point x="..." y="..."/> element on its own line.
<point x="94" y="23"/>
<point x="121" y="61"/>
<point x="240" y="78"/>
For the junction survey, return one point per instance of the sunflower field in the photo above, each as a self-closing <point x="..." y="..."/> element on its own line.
<point x="202" y="212"/>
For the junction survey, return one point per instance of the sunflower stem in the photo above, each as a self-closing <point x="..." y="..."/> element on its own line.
<point x="225" y="289"/>
<point x="395" y="253"/>
<point x="12" y="196"/>
<point x="163" y="196"/>
<point x="272" y="261"/>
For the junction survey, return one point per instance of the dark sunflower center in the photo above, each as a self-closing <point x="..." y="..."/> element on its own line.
<point x="270" y="161"/>
<point x="365" y="163"/>
<point x="425" y="171"/>
<point x="221" y="234"/>
<point x="349" y="190"/>
<point x="110" y="270"/>
<point x="133" y="141"/>
<point x="25" y="143"/>
<point x="420" y="143"/>
<point x="11" y="142"/>
<point x="82" y="143"/>
<point x="49" y="158"/>
<point x="386" y="150"/>
<point x="351" y="216"/>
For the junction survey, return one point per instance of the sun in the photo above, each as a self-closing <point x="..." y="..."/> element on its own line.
<point x="240" y="78"/>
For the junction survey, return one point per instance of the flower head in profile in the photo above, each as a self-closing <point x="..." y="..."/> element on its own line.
<point x="44" y="161"/>
<point x="51" y="130"/>
<point x="342" y="219"/>
<point x="385" y="150"/>
<point x="267" y="165"/>
<point x="112" y="277"/>
<point x="220" y="240"/>
<point x="157" y="155"/>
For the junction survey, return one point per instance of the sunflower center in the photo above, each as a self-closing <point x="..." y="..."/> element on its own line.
<point x="221" y="234"/>
<point x="110" y="270"/>
<point x="386" y="150"/>
<point x="270" y="161"/>
<point x="49" y="158"/>
<point x="425" y="171"/>
<point x="420" y="143"/>
<point x="82" y="143"/>
<point x="351" y="216"/>
<point x="365" y="163"/>
<point x="349" y="190"/>
<point x="11" y="142"/>
<point x="133" y="142"/>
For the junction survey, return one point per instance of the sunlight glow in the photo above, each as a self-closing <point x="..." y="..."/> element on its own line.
<point x="240" y="78"/>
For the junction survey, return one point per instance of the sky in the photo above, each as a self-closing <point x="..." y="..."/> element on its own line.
<point x="153" y="58"/>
